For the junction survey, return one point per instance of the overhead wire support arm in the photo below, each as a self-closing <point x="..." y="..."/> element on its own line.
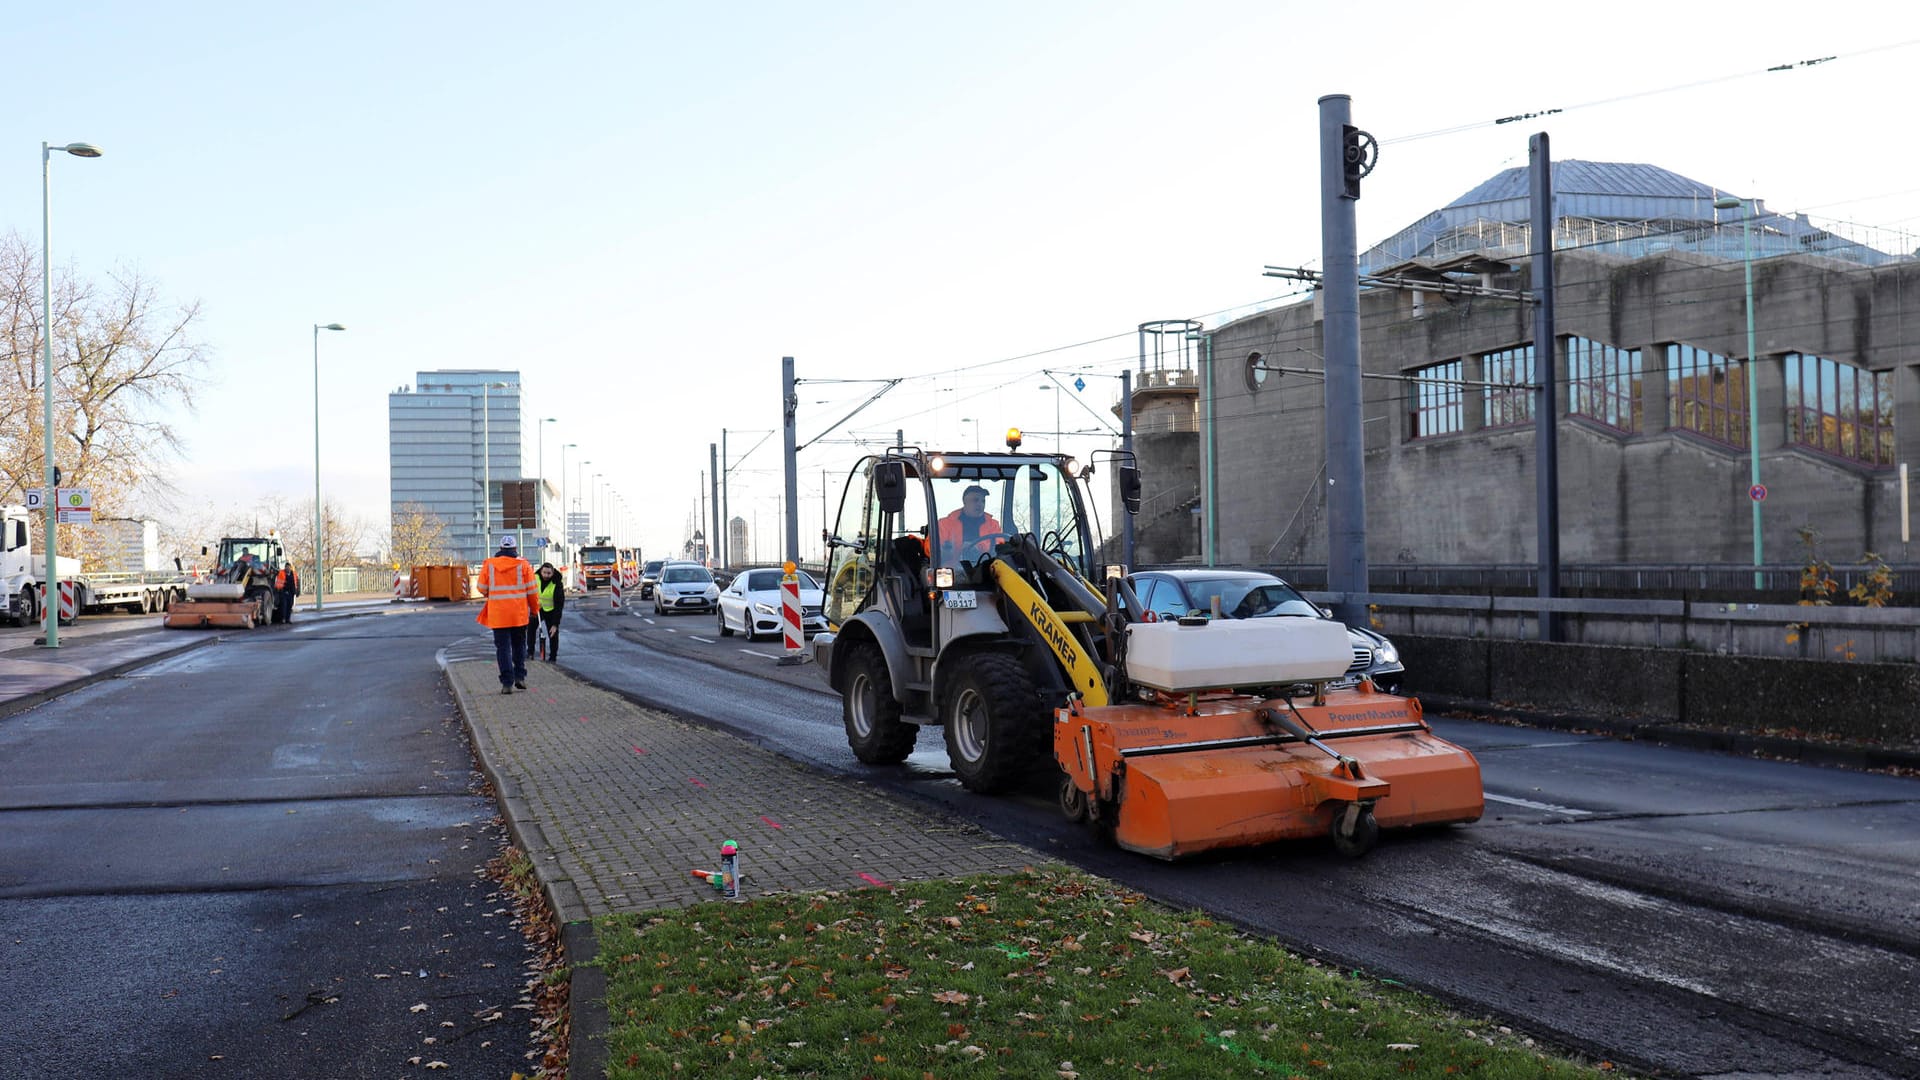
<point x="870" y="399"/>
<point x="1441" y="288"/>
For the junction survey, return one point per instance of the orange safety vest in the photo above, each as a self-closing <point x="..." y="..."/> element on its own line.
<point x="507" y="583"/>
<point x="280" y="579"/>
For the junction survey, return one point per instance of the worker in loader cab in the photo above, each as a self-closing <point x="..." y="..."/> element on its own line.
<point x="507" y="583"/>
<point x="969" y="531"/>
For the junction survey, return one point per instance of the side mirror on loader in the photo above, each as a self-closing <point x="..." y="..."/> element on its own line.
<point x="890" y="486"/>
<point x="1130" y="488"/>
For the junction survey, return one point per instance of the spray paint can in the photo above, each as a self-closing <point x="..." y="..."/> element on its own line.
<point x="730" y="870"/>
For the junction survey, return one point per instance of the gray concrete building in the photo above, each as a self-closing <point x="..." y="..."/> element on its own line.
<point x="446" y="434"/>
<point x="1652" y="399"/>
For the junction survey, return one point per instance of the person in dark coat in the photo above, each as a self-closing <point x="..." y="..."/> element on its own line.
<point x="551" y="592"/>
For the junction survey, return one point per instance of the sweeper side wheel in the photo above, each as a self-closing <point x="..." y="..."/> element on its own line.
<point x="1354" y="830"/>
<point x="1073" y="801"/>
<point x="870" y="712"/>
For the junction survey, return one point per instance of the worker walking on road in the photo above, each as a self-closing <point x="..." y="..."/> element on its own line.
<point x="552" y="595"/>
<point x="286" y="586"/>
<point x="506" y="581"/>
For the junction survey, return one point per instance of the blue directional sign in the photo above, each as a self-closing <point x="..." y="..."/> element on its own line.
<point x="1079" y="384"/>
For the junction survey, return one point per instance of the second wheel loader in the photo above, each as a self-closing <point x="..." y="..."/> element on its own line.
<point x="240" y="594"/>
<point x="960" y="592"/>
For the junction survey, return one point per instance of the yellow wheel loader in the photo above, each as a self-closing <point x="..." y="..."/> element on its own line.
<point x="239" y="592"/>
<point x="960" y="592"/>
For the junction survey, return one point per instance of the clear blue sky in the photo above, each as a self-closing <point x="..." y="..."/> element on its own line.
<point x="642" y="206"/>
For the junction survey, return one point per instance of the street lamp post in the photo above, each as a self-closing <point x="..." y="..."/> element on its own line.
<point x="580" y="476"/>
<point x="566" y="520"/>
<point x="319" y="538"/>
<point x="1056" y="415"/>
<point x="1728" y="202"/>
<point x="50" y="495"/>
<point x="593" y="509"/>
<point x="976" y="430"/>
<point x="539" y="485"/>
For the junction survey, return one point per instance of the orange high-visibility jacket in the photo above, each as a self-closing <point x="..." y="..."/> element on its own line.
<point x="508" y="584"/>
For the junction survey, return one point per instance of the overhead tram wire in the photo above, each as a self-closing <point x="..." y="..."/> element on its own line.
<point x="1535" y="114"/>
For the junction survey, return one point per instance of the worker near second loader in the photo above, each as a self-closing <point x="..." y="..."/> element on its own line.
<point x="551" y="592"/>
<point x="507" y="583"/>
<point x="969" y="530"/>
<point x="286" y="585"/>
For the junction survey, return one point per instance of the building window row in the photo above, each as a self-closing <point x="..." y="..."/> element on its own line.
<point x="1839" y="409"/>
<point x="1603" y="383"/>
<point x="1438" y="405"/>
<point x="1832" y="407"/>
<point x="1707" y="394"/>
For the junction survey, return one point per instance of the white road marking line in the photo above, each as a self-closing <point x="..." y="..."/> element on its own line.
<point x="1531" y="805"/>
<point x="697" y="637"/>
<point x="758" y="653"/>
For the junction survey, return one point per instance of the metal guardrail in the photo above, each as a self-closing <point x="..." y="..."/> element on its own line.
<point x="1785" y="630"/>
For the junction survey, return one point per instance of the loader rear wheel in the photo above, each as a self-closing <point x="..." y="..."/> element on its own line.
<point x="994" y="723"/>
<point x="874" y="729"/>
<point x="1354" y="830"/>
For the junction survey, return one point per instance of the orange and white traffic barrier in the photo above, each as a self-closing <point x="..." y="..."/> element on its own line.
<point x="790" y="611"/>
<point x="399" y="589"/>
<point x="69" y="601"/>
<point x="614" y="581"/>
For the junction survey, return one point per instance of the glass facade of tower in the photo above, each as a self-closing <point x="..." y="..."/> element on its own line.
<point x="447" y="434"/>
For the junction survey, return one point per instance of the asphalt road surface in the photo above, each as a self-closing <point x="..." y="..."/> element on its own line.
<point x="1669" y="909"/>
<point x="261" y="858"/>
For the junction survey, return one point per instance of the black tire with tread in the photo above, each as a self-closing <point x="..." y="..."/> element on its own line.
<point x="725" y="630"/>
<point x="887" y="740"/>
<point x="1015" y="723"/>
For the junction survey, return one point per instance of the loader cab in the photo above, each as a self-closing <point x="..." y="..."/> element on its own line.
<point x="909" y="522"/>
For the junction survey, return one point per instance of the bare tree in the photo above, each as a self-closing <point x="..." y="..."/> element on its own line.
<point x="419" y="538"/>
<point x="125" y="368"/>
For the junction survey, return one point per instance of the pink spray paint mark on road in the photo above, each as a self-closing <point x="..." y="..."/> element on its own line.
<point x="696" y="781"/>
<point x="583" y="719"/>
<point x="871" y="880"/>
<point x="770" y="822"/>
<point x="637" y="750"/>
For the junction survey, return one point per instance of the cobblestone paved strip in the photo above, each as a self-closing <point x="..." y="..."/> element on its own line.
<point x="630" y="800"/>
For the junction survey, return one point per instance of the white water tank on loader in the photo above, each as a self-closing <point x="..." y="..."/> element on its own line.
<point x="1223" y="653"/>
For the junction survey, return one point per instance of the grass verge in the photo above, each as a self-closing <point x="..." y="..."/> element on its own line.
<point x="1045" y="973"/>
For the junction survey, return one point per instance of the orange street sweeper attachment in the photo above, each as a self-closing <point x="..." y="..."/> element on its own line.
<point x="1193" y="764"/>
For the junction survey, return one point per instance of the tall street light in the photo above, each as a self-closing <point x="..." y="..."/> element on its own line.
<point x="580" y="485"/>
<point x="539" y="486"/>
<point x="593" y="510"/>
<point x="1729" y="202"/>
<point x="50" y="495"/>
<point x="319" y="539"/>
<point x="976" y="430"/>
<point x="566" y="508"/>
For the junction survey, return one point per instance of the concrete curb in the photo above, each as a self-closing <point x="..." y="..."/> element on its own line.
<point x="39" y="697"/>
<point x="1807" y="751"/>
<point x="589" y="1025"/>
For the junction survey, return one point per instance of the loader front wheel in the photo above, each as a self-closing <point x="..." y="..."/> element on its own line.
<point x="994" y="723"/>
<point x="872" y="714"/>
<point x="1354" y="830"/>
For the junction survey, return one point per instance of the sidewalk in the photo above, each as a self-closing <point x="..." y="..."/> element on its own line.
<point x="615" y="803"/>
